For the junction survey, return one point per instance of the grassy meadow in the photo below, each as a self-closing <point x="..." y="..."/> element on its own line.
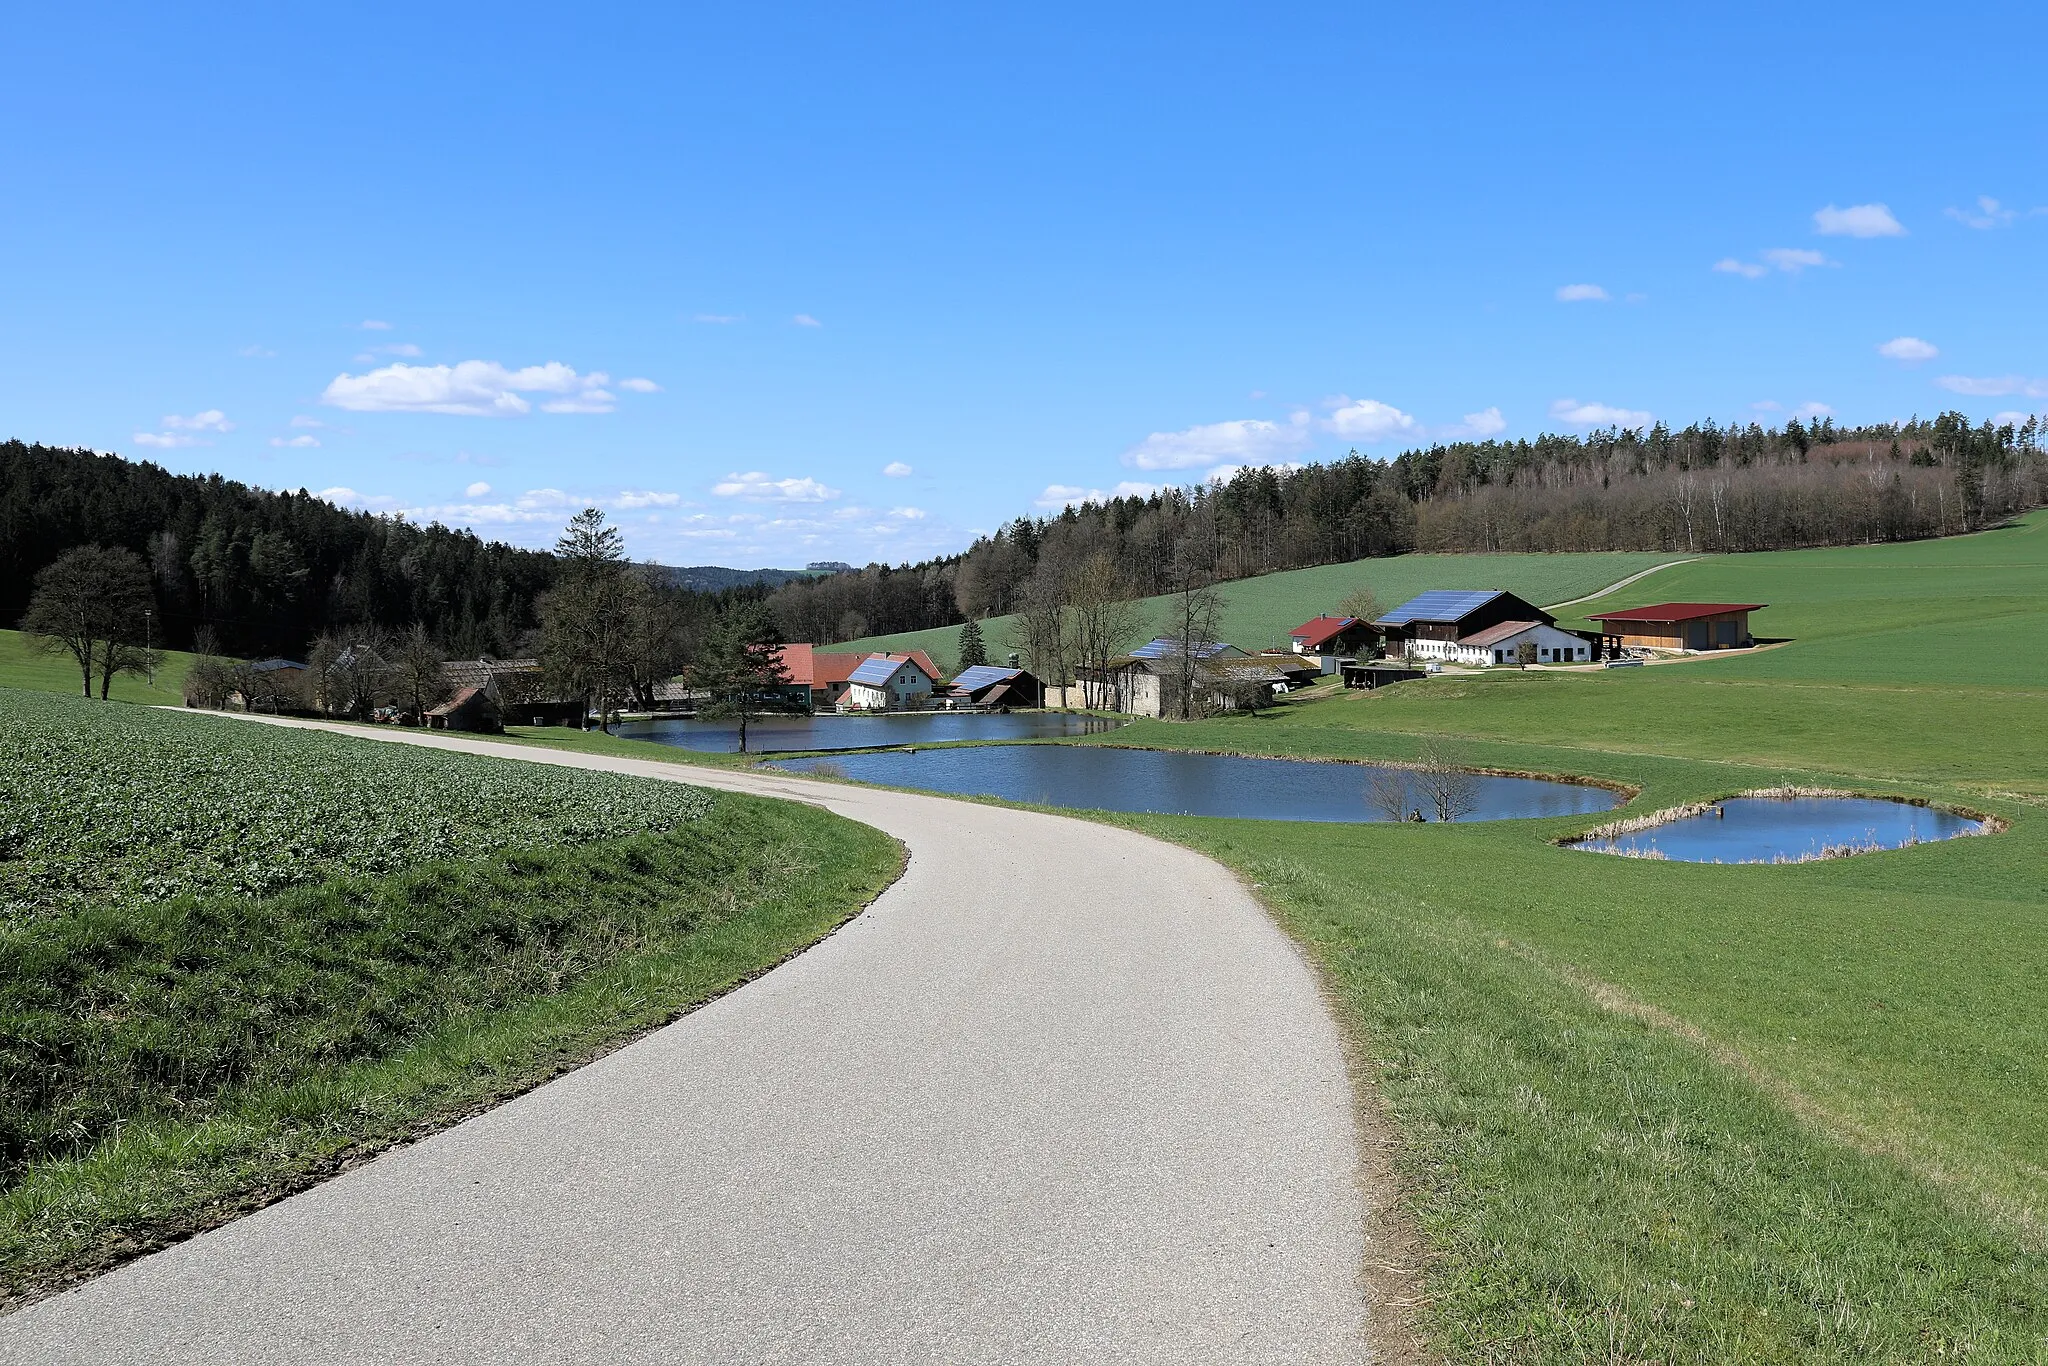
<point x="1260" y="612"/>
<point x="1658" y="1111"/>
<point x="37" y="671"/>
<point x="234" y="957"/>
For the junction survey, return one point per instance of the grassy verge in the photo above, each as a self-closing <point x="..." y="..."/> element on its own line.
<point x="1598" y="1188"/>
<point x="172" y="1064"/>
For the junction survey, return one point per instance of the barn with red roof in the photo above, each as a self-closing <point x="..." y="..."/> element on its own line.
<point x="1679" y="626"/>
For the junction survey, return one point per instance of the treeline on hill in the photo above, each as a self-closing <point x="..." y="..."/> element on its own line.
<point x="1706" y="488"/>
<point x="264" y="573"/>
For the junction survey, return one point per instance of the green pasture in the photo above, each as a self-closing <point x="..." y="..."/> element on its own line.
<point x="1260" y="612"/>
<point x="1677" y="1112"/>
<point x="33" y="670"/>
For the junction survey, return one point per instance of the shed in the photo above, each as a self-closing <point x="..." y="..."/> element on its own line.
<point x="991" y="685"/>
<point x="470" y="709"/>
<point x="1330" y="638"/>
<point x="1680" y="626"/>
<point x="1379" y="674"/>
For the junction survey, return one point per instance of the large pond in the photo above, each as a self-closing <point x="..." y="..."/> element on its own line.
<point x="772" y="734"/>
<point x="1788" y="830"/>
<point x="1175" y="783"/>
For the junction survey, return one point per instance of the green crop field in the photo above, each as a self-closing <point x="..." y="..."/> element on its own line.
<point x="1680" y="1112"/>
<point x="232" y="955"/>
<point x="1259" y="612"/>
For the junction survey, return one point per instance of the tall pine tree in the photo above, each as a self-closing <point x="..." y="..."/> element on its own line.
<point x="973" y="650"/>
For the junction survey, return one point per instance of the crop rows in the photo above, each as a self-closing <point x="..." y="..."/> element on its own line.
<point x="124" y="805"/>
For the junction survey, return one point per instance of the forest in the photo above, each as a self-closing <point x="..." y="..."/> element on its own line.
<point x="265" y="572"/>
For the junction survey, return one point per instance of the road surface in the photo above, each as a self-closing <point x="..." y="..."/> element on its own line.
<point x="1063" y="1094"/>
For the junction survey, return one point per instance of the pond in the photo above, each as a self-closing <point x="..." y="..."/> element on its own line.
<point x="1171" y="782"/>
<point x="769" y="734"/>
<point x="1788" y="830"/>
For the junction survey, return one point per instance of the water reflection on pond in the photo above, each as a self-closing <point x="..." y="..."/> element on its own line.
<point x="772" y="734"/>
<point x="1171" y="782"/>
<point x="1788" y="830"/>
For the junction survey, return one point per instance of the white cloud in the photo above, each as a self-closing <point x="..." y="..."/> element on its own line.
<point x="1792" y="260"/>
<point x="1989" y="213"/>
<point x="1579" y="294"/>
<point x="186" y="431"/>
<point x="1858" y="220"/>
<point x="1573" y="413"/>
<point x="476" y="490"/>
<point x="473" y="388"/>
<point x="806" y="320"/>
<point x="303" y="421"/>
<point x="756" y="487"/>
<point x="896" y="469"/>
<point x="374" y="325"/>
<point x="639" y="386"/>
<point x="295" y="442"/>
<point x="1767" y="406"/>
<point x="1994" y="386"/>
<point x="1247" y="440"/>
<point x="1477" y="426"/>
<point x="1065" y="495"/>
<point x="1812" y="410"/>
<point x="908" y="514"/>
<point x="1748" y="270"/>
<point x="1368" y="420"/>
<point x="717" y="318"/>
<point x="1909" y="349"/>
<point x="634" y="500"/>
<point x="2011" y="417"/>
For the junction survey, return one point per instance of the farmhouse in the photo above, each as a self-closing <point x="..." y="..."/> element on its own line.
<point x="1680" y="626"/>
<point x="824" y="678"/>
<point x="1482" y="626"/>
<point x="1144" y="682"/>
<point x="991" y="685"/>
<point x="1329" y="639"/>
<point x="885" y="681"/>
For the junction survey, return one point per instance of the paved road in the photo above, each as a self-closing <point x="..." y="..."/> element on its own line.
<point x="1063" y="1094"/>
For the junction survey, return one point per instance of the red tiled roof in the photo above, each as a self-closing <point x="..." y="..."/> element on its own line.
<point x="1495" y="634"/>
<point x="1677" y="611"/>
<point x="797" y="662"/>
<point x="1314" y="633"/>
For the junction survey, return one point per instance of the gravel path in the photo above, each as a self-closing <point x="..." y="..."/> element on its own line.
<point x="1063" y="1094"/>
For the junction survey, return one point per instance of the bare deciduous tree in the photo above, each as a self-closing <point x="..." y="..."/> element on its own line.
<point x="1450" y="791"/>
<point x="419" y="670"/>
<point x="89" y="602"/>
<point x="1391" y="792"/>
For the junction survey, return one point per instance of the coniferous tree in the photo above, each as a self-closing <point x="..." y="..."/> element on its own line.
<point x="973" y="650"/>
<point x="740" y="666"/>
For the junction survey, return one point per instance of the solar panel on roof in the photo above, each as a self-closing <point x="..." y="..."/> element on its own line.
<point x="979" y="676"/>
<point x="875" y="671"/>
<point x="1440" y="604"/>
<point x="1166" y="646"/>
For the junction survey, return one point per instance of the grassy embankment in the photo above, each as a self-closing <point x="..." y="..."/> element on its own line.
<point x="1259" y="612"/>
<point x="215" y="990"/>
<point x="1674" y="1112"/>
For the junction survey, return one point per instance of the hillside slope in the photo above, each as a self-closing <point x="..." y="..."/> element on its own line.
<point x="1259" y="612"/>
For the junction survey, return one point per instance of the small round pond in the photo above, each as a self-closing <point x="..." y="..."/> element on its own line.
<point x="1787" y="830"/>
<point x="1171" y="782"/>
<point x="772" y="734"/>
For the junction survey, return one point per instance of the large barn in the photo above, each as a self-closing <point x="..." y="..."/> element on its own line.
<point x="1679" y="626"/>
<point x="1479" y="626"/>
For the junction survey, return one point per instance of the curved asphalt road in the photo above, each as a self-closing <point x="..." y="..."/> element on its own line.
<point x="1064" y="1094"/>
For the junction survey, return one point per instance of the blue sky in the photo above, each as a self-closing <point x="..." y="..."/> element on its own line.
<point x="776" y="284"/>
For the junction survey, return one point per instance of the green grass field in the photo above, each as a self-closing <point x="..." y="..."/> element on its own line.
<point x="1676" y="1112"/>
<point x="1259" y="612"/>
<point x="22" y="667"/>
<point x="213" y="993"/>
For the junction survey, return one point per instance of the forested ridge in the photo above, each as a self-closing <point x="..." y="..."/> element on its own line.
<point x="1704" y="488"/>
<point x="267" y="572"/>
